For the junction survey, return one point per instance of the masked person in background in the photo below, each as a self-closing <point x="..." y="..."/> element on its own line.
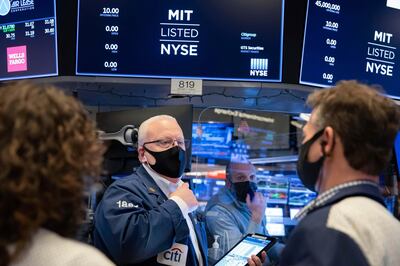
<point x="347" y="143"/>
<point x="237" y="209"/>
<point x="148" y="217"/>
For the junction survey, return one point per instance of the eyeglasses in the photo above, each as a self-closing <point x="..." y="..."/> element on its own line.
<point x="168" y="143"/>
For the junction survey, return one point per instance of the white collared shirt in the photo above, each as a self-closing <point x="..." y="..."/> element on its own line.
<point x="167" y="188"/>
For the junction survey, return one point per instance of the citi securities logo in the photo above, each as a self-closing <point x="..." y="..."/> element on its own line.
<point x="11" y="6"/>
<point x="175" y="255"/>
<point x="259" y="67"/>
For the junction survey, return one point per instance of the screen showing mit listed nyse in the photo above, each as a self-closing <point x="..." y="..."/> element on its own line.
<point x="28" y="39"/>
<point x="352" y="40"/>
<point x="208" y="39"/>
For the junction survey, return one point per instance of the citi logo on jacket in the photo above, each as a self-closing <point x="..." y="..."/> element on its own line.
<point x="174" y="256"/>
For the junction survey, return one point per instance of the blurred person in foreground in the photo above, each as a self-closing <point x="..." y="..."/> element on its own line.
<point x="149" y="218"/>
<point x="238" y="209"/>
<point x="347" y="143"/>
<point x="48" y="145"/>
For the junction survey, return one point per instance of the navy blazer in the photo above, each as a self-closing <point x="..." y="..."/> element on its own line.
<point x="135" y="221"/>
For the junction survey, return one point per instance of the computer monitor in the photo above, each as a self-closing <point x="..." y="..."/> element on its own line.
<point x="293" y="212"/>
<point x="205" y="188"/>
<point x="274" y="219"/>
<point x="396" y="153"/>
<point x="389" y="179"/>
<point x="275" y="229"/>
<point x="299" y="195"/>
<point x="352" y="40"/>
<point x="273" y="186"/>
<point x="274" y="212"/>
<point x="212" y="140"/>
<point x="28" y="39"/>
<point x="181" y="39"/>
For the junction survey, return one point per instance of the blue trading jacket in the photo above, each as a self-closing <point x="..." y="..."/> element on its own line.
<point x="135" y="221"/>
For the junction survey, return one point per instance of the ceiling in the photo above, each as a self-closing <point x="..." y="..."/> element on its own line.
<point x="107" y="94"/>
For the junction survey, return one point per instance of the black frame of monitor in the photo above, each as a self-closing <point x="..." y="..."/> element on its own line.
<point x="282" y="27"/>
<point x="295" y="11"/>
<point x="57" y="48"/>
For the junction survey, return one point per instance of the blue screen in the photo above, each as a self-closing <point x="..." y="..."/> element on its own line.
<point x="274" y="186"/>
<point x="239" y="254"/>
<point x="352" y="40"/>
<point x="397" y="148"/>
<point x="28" y="39"/>
<point x="217" y="40"/>
<point x="299" y="195"/>
<point x="212" y="140"/>
<point x="205" y="188"/>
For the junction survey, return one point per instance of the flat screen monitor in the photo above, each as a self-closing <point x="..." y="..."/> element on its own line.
<point x="260" y="132"/>
<point x="298" y="194"/>
<point x="212" y="140"/>
<point x="205" y="188"/>
<point x="293" y="212"/>
<point x="275" y="212"/>
<point x="28" y="39"/>
<point x="273" y="187"/>
<point x="352" y="40"/>
<point x="397" y="150"/>
<point x="274" y="218"/>
<point x="123" y="159"/>
<point x="215" y="40"/>
<point x="275" y="229"/>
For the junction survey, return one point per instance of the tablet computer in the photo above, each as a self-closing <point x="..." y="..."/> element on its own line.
<point x="251" y="244"/>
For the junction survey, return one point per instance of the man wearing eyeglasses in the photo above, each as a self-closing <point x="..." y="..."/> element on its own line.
<point x="148" y="218"/>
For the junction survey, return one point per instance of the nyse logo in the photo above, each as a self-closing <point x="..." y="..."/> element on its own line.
<point x="393" y="4"/>
<point x="259" y="67"/>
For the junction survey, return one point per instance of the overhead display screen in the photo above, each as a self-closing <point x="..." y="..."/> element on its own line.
<point x="352" y="40"/>
<point x="28" y="39"/>
<point x="208" y="39"/>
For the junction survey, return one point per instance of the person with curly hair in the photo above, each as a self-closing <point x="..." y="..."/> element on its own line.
<point x="48" y="148"/>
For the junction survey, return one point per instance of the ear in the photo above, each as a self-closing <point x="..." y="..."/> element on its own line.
<point x="141" y="156"/>
<point x="328" y="141"/>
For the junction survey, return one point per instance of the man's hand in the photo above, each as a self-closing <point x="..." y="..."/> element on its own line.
<point x="186" y="195"/>
<point x="257" y="206"/>
<point x="256" y="261"/>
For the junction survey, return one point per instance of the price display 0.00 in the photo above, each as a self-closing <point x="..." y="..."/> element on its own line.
<point x="328" y="77"/>
<point x="329" y="59"/>
<point x="110" y="64"/>
<point x="109" y="28"/>
<point x="331" y="42"/>
<point x="111" y="46"/>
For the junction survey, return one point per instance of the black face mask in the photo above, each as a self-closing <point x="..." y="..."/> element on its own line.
<point x="170" y="162"/>
<point x="309" y="172"/>
<point x="244" y="188"/>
